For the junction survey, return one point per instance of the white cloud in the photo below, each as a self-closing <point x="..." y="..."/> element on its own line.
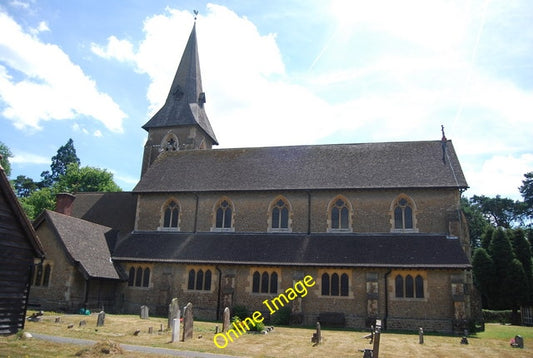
<point x="49" y="79"/>
<point x="121" y="50"/>
<point x="28" y="158"/>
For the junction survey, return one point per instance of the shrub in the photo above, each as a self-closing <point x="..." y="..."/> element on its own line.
<point x="281" y="317"/>
<point x="241" y="312"/>
<point x="497" y="316"/>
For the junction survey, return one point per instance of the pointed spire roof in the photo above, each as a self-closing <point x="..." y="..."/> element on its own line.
<point x="185" y="102"/>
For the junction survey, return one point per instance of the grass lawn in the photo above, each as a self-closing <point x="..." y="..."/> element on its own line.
<point x="282" y="342"/>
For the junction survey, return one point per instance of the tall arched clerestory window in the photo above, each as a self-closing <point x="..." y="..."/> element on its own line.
<point x="280" y="215"/>
<point x="339" y="215"/>
<point x="171" y="214"/>
<point x="223" y="215"/>
<point x="403" y="214"/>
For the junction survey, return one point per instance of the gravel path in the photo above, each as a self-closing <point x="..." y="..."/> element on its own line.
<point x="130" y="347"/>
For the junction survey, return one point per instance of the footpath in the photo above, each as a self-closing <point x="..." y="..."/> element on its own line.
<point x="130" y="347"/>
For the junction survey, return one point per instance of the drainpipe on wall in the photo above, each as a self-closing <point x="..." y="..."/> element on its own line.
<point x="219" y="290"/>
<point x="308" y="212"/>
<point x="386" y="300"/>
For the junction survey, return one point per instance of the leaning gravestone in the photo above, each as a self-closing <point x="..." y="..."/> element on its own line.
<point x="101" y="319"/>
<point x="173" y="309"/>
<point x="187" y="322"/>
<point x="145" y="312"/>
<point x="225" y="320"/>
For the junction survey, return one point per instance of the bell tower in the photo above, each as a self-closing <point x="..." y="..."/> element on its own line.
<point x="181" y="124"/>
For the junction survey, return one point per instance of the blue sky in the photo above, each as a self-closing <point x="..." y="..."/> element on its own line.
<point x="274" y="73"/>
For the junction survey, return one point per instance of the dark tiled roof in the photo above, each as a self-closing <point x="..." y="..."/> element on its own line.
<point x="346" y="250"/>
<point x="85" y="243"/>
<point x="113" y="209"/>
<point x="184" y="105"/>
<point x="337" y="166"/>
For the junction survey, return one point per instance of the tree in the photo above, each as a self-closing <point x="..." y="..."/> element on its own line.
<point x="483" y="269"/>
<point x="499" y="211"/>
<point x="24" y="186"/>
<point x="506" y="277"/>
<point x="4" y="162"/>
<point x="522" y="252"/>
<point x="66" y="154"/>
<point x="38" y="201"/>
<point x="486" y="237"/>
<point x="85" y="179"/>
<point x="477" y="224"/>
<point x="527" y="193"/>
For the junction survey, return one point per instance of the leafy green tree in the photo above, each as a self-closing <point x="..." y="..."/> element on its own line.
<point x="4" y="162"/>
<point x="499" y="211"/>
<point x="477" y="223"/>
<point x="66" y="154"/>
<point x="38" y="201"/>
<point x="486" y="237"/>
<point x="522" y="251"/>
<point x="85" y="179"/>
<point x="483" y="269"/>
<point x="505" y="274"/>
<point x="24" y="186"/>
<point x="527" y="193"/>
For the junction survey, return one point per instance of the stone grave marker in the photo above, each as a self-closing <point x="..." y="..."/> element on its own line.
<point x="175" y="329"/>
<point x="317" y="337"/>
<point x="187" y="322"/>
<point x="83" y="323"/>
<point x="173" y="309"/>
<point x="101" y="319"/>
<point x="145" y="312"/>
<point x="225" y="319"/>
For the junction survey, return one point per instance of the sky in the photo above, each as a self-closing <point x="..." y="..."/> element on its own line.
<point x="275" y="73"/>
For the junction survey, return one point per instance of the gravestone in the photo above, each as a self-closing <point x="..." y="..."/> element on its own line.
<point x="175" y="329"/>
<point x="145" y="312"/>
<point x="83" y="323"/>
<point x="101" y="319"/>
<point x="317" y="337"/>
<point x="187" y="322"/>
<point x="225" y="320"/>
<point x="420" y="335"/>
<point x="173" y="309"/>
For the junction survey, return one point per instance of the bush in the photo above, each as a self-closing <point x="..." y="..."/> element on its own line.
<point x="259" y="326"/>
<point x="281" y="317"/>
<point x="241" y="312"/>
<point x="497" y="316"/>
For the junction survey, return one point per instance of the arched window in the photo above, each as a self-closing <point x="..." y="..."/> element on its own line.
<point x="207" y="284"/>
<point x="325" y="284"/>
<point x="398" y="283"/>
<point x="280" y="215"/>
<point x="199" y="280"/>
<point x="335" y="284"/>
<point x="171" y="215"/>
<point x="344" y="284"/>
<point x="146" y="277"/>
<point x="419" y="287"/>
<point x="170" y="143"/>
<point x="46" y="277"/>
<point x="131" y="276"/>
<point x="224" y="215"/>
<point x="39" y="275"/>
<point x="191" y="281"/>
<point x="139" y="277"/>
<point x="256" y="282"/>
<point x="274" y="282"/>
<point x="403" y="214"/>
<point x="409" y="287"/>
<point x="264" y="282"/>
<point x="339" y="214"/>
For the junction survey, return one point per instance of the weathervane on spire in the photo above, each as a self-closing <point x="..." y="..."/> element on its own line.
<point x="195" y="14"/>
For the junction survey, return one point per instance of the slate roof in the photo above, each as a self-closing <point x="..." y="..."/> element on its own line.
<point x="336" y="166"/>
<point x="184" y="105"/>
<point x="343" y="250"/>
<point x="85" y="243"/>
<point x="112" y="209"/>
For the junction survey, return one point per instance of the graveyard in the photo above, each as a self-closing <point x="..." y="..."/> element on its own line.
<point x="282" y="341"/>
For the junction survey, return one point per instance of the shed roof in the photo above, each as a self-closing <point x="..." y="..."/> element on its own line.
<point x="336" y="166"/>
<point x="85" y="243"/>
<point x="293" y="249"/>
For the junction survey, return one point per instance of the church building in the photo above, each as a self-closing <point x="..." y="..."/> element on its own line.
<point x="377" y="225"/>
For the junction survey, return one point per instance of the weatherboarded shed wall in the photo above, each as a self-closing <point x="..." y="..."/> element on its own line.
<point x="18" y="249"/>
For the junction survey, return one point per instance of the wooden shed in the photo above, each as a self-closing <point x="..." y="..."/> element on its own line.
<point x="19" y="249"/>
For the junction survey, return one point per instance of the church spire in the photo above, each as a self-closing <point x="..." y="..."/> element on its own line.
<point x="185" y="101"/>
